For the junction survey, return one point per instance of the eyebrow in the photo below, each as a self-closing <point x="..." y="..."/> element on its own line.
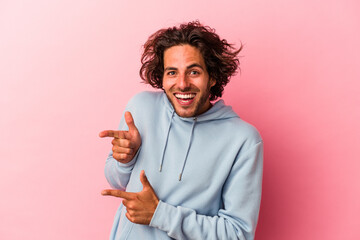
<point x="188" y="67"/>
<point x="194" y="65"/>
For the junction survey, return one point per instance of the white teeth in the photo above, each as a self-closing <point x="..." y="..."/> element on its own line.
<point x="185" y="96"/>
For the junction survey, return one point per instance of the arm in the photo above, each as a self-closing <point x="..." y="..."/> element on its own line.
<point x="238" y="217"/>
<point x="122" y="158"/>
<point x="118" y="174"/>
<point x="236" y="220"/>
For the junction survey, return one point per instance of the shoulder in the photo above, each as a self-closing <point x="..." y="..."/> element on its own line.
<point x="248" y="129"/>
<point x="144" y="99"/>
<point x="244" y="132"/>
<point x="227" y="122"/>
<point x="144" y="105"/>
<point x="146" y="96"/>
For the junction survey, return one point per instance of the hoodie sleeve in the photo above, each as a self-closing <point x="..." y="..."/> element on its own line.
<point x="118" y="174"/>
<point x="241" y="202"/>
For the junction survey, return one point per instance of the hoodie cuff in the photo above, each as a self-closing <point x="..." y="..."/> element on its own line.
<point x="162" y="216"/>
<point x="159" y="218"/>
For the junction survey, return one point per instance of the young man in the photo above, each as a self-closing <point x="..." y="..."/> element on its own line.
<point x="185" y="168"/>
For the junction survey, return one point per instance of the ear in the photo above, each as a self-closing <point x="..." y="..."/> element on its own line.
<point x="212" y="82"/>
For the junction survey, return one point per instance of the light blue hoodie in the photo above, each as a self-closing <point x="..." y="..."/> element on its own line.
<point x="206" y="172"/>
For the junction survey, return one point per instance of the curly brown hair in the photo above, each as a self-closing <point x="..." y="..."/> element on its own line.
<point x="220" y="57"/>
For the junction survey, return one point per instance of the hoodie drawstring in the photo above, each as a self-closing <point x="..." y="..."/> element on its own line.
<point x="188" y="148"/>
<point x="166" y="141"/>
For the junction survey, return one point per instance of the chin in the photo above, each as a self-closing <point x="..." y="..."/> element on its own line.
<point x="185" y="113"/>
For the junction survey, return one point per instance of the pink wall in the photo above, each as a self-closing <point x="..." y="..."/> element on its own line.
<point x="67" y="69"/>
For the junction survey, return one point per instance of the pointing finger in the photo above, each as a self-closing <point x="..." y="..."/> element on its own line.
<point x="108" y="133"/>
<point x="103" y="134"/>
<point x="112" y="133"/>
<point x="117" y="193"/>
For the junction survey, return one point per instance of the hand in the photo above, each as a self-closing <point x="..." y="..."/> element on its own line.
<point x="140" y="206"/>
<point x="125" y="143"/>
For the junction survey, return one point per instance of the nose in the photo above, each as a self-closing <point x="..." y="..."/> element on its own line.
<point x="183" y="82"/>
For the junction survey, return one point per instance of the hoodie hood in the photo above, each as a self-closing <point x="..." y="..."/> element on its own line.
<point x="219" y="111"/>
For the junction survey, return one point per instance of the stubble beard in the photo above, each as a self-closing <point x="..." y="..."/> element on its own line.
<point x="202" y="101"/>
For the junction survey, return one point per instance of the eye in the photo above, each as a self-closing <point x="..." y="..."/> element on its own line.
<point x="194" y="72"/>
<point x="171" y="73"/>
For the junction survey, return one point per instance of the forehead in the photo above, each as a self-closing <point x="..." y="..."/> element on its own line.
<point x="182" y="55"/>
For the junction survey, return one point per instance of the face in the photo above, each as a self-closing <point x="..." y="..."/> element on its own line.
<point x="186" y="81"/>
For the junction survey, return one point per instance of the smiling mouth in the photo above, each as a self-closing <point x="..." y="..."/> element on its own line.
<point x="185" y="98"/>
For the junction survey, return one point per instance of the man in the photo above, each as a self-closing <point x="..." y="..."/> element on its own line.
<point x="186" y="168"/>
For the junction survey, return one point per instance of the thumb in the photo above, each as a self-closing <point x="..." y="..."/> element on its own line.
<point x="130" y="122"/>
<point x="145" y="182"/>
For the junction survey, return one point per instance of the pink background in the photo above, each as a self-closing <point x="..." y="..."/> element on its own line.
<point x="67" y="69"/>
